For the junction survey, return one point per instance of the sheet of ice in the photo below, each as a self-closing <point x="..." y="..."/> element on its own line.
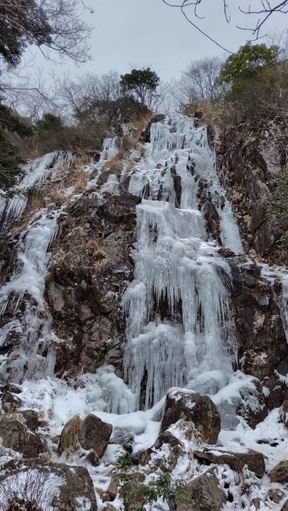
<point x="22" y="299"/>
<point x="13" y="207"/>
<point x="180" y="153"/>
<point x="177" y="308"/>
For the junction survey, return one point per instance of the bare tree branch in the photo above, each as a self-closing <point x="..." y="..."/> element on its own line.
<point x="264" y="10"/>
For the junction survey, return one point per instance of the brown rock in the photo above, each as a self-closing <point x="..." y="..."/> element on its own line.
<point x="90" y="270"/>
<point x="202" y="494"/>
<point x="109" y="507"/>
<point x="10" y="402"/>
<point x="284" y="413"/>
<point x="16" y="436"/>
<point x="276" y="495"/>
<point x="237" y="461"/>
<point x="285" y="506"/>
<point x="69" y="438"/>
<point x="69" y="488"/>
<point x="31" y="419"/>
<point x="90" y="434"/>
<point x="190" y="406"/>
<point x="113" y="488"/>
<point x="95" y="434"/>
<point x="212" y="218"/>
<point x="279" y="474"/>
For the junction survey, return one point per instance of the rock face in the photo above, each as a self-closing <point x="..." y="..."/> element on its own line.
<point x="88" y="434"/>
<point x="203" y="494"/>
<point x="88" y="275"/>
<point x="66" y="488"/>
<point x="259" y="330"/>
<point x="248" y="156"/>
<point x="190" y="406"/>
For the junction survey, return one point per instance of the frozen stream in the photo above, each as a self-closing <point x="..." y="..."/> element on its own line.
<point x="179" y="328"/>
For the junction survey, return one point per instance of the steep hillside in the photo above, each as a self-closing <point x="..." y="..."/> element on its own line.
<point x="144" y="325"/>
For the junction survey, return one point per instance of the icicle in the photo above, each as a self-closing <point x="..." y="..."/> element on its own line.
<point x="177" y="307"/>
<point x="23" y="296"/>
<point x="12" y="208"/>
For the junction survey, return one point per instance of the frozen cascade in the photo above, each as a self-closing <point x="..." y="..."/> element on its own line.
<point x="179" y="329"/>
<point x="13" y="207"/>
<point x="22" y="300"/>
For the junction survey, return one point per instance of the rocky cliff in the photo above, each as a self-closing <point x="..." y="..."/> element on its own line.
<point x="78" y="240"/>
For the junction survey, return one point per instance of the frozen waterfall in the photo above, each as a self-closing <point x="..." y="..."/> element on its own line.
<point x="179" y="327"/>
<point x="25" y="320"/>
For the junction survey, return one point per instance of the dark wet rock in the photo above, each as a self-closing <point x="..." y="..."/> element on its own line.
<point x="259" y="330"/>
<point x="193" y="407"/>
<point x="68" y="488"/>
<point x="177" y="184"/>
<point x="212" y="219"/>
<point x="247" y="157"/>
<point x="203" y="494"/>
<point x="237" y="461"/>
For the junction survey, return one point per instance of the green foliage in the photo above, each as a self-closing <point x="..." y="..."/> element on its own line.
<point x="52" y="24"/>
<point x="144" y="495"/>
<point x="10" y="161"/>
<point x="109" y="112"/>
<point x="142" y="83"/>
<point x="12" y="122"/>
<point x="48" y="127"/>
<point x="247" y="63"/>
<point x="22" y="22"/>
<point x="279" y="205"/>
<point x="126" y="460"/>
<point x="251" y="80"/>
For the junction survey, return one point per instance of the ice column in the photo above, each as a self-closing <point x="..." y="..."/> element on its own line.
<point x="177" y="308"/>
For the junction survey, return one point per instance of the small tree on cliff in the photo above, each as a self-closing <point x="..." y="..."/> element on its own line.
<point x="247" y="63"/>
<point x="141" y="84"/>
<point x="249" y="78"/>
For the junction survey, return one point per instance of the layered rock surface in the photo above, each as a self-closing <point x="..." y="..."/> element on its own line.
<point x="89" y="270"/>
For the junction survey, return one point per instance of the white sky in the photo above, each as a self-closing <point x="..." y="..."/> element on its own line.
<point x="141" y="33"/>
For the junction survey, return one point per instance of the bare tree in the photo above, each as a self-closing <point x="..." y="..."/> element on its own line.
<point x="84" y="96"/>
<point x="49" y="24"/>
<point x="260" y="12"/>
<point x="197" y="83"/>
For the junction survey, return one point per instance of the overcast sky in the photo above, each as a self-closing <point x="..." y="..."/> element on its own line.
<point x="141" y="33"/>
